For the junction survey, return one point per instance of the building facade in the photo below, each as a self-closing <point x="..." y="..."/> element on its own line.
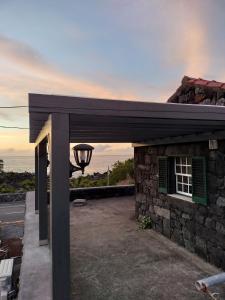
<point x="182" y="186"/>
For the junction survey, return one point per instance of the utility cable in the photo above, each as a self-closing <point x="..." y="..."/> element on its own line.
<point x="13" y="127"/>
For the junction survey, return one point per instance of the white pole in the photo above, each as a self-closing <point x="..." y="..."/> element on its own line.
<point x="108" y="176"/>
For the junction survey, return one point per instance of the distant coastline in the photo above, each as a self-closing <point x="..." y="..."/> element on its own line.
<point x="99" y="163"/>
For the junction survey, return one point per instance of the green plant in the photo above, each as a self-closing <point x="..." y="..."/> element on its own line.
<point x="145" y="222"/>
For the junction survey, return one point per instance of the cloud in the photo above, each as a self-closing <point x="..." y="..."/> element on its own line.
<point x="102" y="148"/>
<point x="191" y="49"/>
<point x="39" y="76"/>
<point x="171" y="34"/>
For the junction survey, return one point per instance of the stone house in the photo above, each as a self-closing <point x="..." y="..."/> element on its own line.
<point x="181" y="185"/>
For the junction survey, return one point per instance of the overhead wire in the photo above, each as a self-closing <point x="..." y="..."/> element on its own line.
<point x="14" y="127"/>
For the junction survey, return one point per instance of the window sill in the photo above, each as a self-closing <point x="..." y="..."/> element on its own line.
<point x="181" y="197"/>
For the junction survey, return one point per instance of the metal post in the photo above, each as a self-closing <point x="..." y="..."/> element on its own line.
<point x="59" y="206"/>
<point x="36" y="179"/>
<point x="42" y="193"/>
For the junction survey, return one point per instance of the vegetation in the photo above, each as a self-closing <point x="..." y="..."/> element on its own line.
<point x="145" y="222"/>
<point x="121" y="173"/>
<point x="12" y="182"/>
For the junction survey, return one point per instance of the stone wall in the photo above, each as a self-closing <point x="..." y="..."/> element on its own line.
<point x="199" y="228"/>
<point x="102" y="192"/>
<point x="12" y="197"/>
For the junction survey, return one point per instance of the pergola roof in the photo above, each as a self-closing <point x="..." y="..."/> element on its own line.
<point x="103" y="120"/>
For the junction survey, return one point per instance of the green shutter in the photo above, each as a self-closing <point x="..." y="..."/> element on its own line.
<point x="199" y="188"/>
<point x="163" y="174"/>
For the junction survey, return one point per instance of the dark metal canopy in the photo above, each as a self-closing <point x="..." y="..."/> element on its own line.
<point x="102" y="120"/>
<point x="59" y="120"/>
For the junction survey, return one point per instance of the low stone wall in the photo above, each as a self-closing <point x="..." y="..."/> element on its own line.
<point x="199" y="228"/>
<point x="102" y="192"/>
<point x="12" y="197"/>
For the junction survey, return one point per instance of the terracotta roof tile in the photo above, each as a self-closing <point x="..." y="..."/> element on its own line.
<point x="204" y="82"/>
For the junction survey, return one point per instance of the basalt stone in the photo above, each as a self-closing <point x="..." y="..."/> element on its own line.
<point x="176" y="236"/>
<point x="186" y="216"/>
<point x="209" y="223"/>
<point x="220" y="202"/>
<point x="203" y="210"/>
<point x="212" y="183"/>
<point x="187" y="234"/>
<point x="220" y="228"/>
<point x="221" y="102"/>
<point x="189" y="245"/>
<point x="201" y="244"/>
<point x="200" y="219"/>
<point x="220" y="165"/>
<point x="162" y="212"/>
<point x="166" y="227"/>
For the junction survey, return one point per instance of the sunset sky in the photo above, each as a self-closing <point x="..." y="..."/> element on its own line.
<point x="124" y="49"/>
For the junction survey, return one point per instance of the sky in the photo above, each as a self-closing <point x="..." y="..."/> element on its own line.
<point x="118" y="49"/>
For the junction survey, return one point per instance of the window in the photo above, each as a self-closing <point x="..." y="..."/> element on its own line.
<point x="183" y="173"/>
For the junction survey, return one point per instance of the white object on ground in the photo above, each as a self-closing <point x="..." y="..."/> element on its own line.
<point x="6" y="270"/>
<point x="79" y="202"/>
<point x="203" y="284"/>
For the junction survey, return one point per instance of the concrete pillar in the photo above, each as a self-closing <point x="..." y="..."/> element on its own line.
<point x="59" y="206"/>
<point x="42" y="193"/>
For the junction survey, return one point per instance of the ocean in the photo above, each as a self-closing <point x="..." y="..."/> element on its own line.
<point x="99" y="163"/>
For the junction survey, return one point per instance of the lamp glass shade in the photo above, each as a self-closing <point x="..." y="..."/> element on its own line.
<point x="82" y="154"/>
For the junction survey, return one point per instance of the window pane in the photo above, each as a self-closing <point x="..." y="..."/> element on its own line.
<point x="177" y="160"/>
<point x="190" y="189"/>
<point x="179" y="179"/>
<point x="189" y="161"/>
<point x="184" y="169"/>
<point x="179" y="186"/>
<point x="178" y="169"/>
<point x="184" y="161"/>
<point x="185" y="179"/>
<point x="185" y="188"/>
<point x="189" y="170"/>
<point x="190" y="180"/>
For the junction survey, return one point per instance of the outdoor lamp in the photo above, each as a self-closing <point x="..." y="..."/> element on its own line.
<point x="82" y="154"/>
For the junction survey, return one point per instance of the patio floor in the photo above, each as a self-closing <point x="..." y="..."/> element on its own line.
<point x="112" y="259"/>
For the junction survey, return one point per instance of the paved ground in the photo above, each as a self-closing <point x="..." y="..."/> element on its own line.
<point x="112" y="260"/>
<point x="35" y="276"/>
<point x="12" y="218"/>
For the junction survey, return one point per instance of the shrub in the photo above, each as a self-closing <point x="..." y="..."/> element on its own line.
<point x="145" y="222"/>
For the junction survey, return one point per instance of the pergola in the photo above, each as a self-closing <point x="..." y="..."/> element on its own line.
<point x="57" y="121"/>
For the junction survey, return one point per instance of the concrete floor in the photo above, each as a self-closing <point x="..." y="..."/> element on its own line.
<point x="111" y="259"/>
<point x="35" y="275"/>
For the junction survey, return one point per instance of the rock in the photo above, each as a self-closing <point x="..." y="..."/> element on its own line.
<point x="209" y="223"/>
<point x="162" y="212"/>
<point x="221" y="102"/>
<point x="220" y="202"/>
<point x="79" y="202"/>
<point x="220" y="228"/>
<point x="206" y="102"/>
<point x="186" y="216"/>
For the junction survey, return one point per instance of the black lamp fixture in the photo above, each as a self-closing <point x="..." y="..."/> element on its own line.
<point x="82" y="154"/>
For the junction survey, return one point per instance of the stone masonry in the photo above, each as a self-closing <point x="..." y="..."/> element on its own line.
<point x="199" y="228"/>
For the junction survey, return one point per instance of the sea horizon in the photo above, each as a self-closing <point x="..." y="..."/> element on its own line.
<point x="99" y="162"/>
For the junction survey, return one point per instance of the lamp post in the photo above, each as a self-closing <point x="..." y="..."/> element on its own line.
<point x="82" y="155"/>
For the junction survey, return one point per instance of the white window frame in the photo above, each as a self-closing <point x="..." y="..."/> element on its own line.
<point x="182" y="175"/>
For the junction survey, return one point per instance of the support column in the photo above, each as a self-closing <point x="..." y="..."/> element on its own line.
<point x="59" y="206"/>
<point x="42" y="193"/>
<point x="36" y="179"/>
